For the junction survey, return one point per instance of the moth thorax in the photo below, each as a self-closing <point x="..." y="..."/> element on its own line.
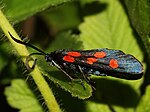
<point x="48" y="58"/>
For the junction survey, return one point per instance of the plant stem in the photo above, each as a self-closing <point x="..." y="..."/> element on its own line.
<point x="36" y="75"/>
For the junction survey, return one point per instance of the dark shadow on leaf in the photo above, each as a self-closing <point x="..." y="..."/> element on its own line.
<point x="114" y="92"/>
<point x="146" y="81"/>
<point x="93" y="8"/>
<point x="65" y="100"/>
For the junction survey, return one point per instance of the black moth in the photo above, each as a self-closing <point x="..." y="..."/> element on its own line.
<point x="100" y="62"/>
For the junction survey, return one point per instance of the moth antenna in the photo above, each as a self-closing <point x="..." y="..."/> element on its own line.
<point x="26" y="44"/>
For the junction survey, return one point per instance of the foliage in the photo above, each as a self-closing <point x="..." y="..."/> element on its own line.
<point x="86" y="24"/>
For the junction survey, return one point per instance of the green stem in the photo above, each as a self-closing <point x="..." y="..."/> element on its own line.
<point x="37" y="76"/>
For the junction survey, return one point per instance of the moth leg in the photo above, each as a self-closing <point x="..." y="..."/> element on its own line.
<point x="80" y="80"/>
<point x="30" y="58"/>
<point x="55" y="64"/>
<point x="65" y="72"/>
<point x="27" y="62"/>
<point x="86" y="78"/>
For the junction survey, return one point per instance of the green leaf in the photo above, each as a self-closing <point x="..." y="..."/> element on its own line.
<point x="21" y="97"/>
<point x="65" y="40"/>
<point x="117" y="94"/>
<point x="74" y="87"/>
<point x="63" y="17"/>
<point x="96" y="107"/>
<point x="139" y="13"/>
<point x="144" y="105"/>
<point x="111" y="29"/>
<point x="19" y="10"/>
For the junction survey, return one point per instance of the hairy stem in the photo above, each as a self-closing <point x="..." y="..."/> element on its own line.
<point x="36" y="75"/>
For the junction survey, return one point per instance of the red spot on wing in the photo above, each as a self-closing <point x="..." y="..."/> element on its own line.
<point x="113" y="63"/>
<point x="100" y="54"/>
<point x="68" y="59"/>
<point x="91" y="60"/>
<point x="74" y="54"/>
